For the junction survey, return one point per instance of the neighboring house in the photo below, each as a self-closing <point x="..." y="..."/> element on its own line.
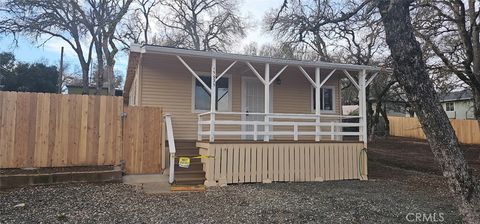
<point x="78" y="89"/>
<point x="349" y="109"/>
<point x="259" y="104"/>
<point x="458" y="105"/>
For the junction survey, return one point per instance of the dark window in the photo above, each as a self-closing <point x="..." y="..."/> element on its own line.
<point x="326" y="99"/>
<point x="450" y="106"/>
<point x="202" y="97"/>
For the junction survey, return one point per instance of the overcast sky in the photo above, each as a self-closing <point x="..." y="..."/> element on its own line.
<point x="253" y="10"/>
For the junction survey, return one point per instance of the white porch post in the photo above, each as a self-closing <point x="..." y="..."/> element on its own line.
<point x="317" y="103"/>
<point x="266" y="137"/>
<point x="213" y="99"/>
<point x="362" y="107"/>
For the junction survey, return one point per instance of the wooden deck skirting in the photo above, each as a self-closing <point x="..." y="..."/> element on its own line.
<point x="253" y="162"/>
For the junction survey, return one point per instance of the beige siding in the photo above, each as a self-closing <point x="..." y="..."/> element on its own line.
<point x="167" y="83"/>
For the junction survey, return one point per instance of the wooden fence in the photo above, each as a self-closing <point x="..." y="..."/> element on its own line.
<point x="287" y="162"/>
<point x="52" y="130"/>
<point x="468" y="131"/>
<point x="142" y="139"/>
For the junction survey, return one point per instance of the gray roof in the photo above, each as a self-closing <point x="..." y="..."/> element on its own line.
<point x="457" y="96"/>
<point x="260" y="59"/>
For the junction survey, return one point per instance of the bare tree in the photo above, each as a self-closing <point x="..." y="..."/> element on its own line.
<point x="49" y="19"/>
<point x="309" y="23"/>
<point x="138" y="27"/>
<point x="202" y="24"/>
<point x="280" y="50"/>
<point x="450" y="29"/>
<point x="101" y="19"/>
<point x="411" y="72"/>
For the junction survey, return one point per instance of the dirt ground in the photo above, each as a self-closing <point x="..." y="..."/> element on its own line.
<point x="416" y="155"/>
<point x="397" y="190"/>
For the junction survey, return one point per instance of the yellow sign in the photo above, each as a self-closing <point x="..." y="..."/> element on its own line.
<point x="184" y="162"/>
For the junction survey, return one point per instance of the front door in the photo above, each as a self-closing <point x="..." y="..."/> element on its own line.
<point x="253" y="101"/>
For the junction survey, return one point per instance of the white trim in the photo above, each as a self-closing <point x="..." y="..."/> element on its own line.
<point x="267" y="99"/>
<point x="171" y="146"/>
<point x="351" y="79"/>
<point x="256" y="73"/>
<point x="327" y="78"/>
<point x="226" y="70"/>
<point x="209" y="89"/>
<point x="334" y="99"/>
<point x="307" y="76"/>
<point x="278" y="74"/>
<point x="243" y="99"/>
<point x="318" y="112"/>
<point x="335" y="132"/>
<point x="362" y="101"/>
<point x="370" y="80"/>
<point x="207" y="74"/>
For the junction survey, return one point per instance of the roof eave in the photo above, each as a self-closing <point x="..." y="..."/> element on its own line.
<point x="248" y="58"/>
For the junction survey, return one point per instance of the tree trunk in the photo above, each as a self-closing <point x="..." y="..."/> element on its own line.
<point x="85" y="83"/>
<point x="383" y="112"/>
<point x="410" y="71"/>
<point x="374" y="121"/>
<point x="370" y="122"/>
<point x="111" y="80"/>
<point x="100" y="67"/>
<point x="476" y="103"/>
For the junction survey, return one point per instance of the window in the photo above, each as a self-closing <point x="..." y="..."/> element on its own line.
<point x="202" y="96"/>
<point x="327" y="95"/>
<point x="450" y="106"/>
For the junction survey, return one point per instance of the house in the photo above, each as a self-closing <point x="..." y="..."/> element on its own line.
<point x="78" y="89"/>
<point x="251" y="118"/>
<point x="458" y="105"/>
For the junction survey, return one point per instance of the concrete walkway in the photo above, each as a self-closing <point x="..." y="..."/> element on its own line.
<point x="149" y="183"/>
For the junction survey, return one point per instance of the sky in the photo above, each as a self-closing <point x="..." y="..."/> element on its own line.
<point x="28" y="51"/>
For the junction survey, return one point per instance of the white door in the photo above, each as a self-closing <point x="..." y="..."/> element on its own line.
<point x="253" y="101"/>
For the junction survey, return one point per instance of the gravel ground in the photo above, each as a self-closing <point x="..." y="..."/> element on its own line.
<point x="384" y="199"/>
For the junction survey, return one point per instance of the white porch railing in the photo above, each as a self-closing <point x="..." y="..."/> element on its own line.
<point x="171" y="147"/>
<point x="265" y="126"/>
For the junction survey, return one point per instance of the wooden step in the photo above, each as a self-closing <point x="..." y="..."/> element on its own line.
<point x="191" y="173"/>
<point x="181" y="171"/>
<point x="185" y="144"/>
<point x="187" y="180"/>
<point x="187" y="152"/>
<point x="193" y="166"/>
<point x="187" y="188"/>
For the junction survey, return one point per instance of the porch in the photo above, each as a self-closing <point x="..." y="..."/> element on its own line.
<point x="257" y="119"/>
